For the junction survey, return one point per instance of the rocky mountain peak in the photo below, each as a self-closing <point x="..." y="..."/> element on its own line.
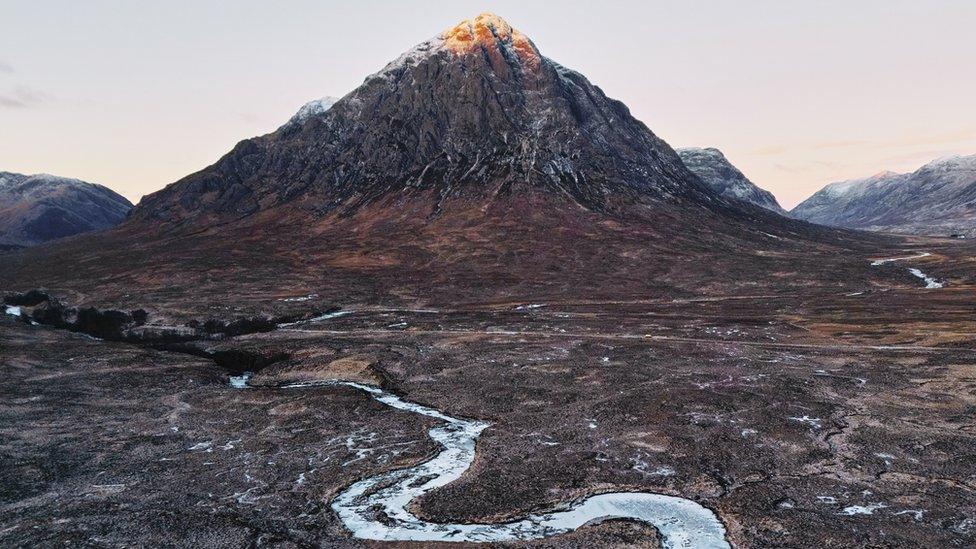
<point x="493" y="35"/>
<point x="955" y="165"/>
<point x="715" y="170"/>
<point x="474" y="115"/>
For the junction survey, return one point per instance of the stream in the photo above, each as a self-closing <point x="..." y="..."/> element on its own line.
<point x="376" y="507"/>
<point x="877" y="262"/>
<point x="930" y="283"/>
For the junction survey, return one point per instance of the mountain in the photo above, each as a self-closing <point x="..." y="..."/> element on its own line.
<point x="474" y="113"/>
<point x="937" y="199"/>
<point x="469" y="169"/>
<point x="39" y="208"/>
<point x="718" y="173"/>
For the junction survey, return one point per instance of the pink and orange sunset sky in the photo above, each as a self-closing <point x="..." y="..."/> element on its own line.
<point x="135" y="95"/>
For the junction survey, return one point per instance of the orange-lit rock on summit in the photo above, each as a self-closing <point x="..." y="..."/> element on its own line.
<point x="488" y="31"/>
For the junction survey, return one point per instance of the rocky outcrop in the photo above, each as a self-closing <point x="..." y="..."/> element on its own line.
<point x="937" y="199"/>
<point x="38" y="307"/>
<point x="711" y="166"/>
<point x="134" y="326"/>
<point x="40" y="208"/>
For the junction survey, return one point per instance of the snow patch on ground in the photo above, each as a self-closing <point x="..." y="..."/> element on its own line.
<point x="916" y="513"/>
<point x="868" y="509"/>
<point x="326" y="316"/>
<point x="813" y="421"/>
<point x="308" y="297"/>
<point x="366" y="444"/>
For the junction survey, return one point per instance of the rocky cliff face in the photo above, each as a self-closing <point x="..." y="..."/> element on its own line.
<point x="937" y="199"/>
<point x="39" y="208"/>
<point x="718" y="173"/>
<point x="474" y="113"/>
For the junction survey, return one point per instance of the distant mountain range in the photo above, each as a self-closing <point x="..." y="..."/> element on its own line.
<point x="937" y="199"/>
<point x="711" y="166"/>
<point x="39" y="208"/>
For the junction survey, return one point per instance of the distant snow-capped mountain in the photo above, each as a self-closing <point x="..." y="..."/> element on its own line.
<point x="937" y="199"/>
<point x="38" y="208"/>
<point x="711" y="166"/>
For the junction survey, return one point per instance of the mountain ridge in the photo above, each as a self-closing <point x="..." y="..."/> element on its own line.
<point x="39" y="208"/>
<point x="937" y="199"/>
<point x="712" y="167"/>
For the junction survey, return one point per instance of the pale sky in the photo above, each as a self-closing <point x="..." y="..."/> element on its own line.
<point x="135" y="95"/>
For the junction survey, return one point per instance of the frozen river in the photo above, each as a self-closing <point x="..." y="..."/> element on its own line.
<point x="930" y="283"/>
<point x="376" y="507"/>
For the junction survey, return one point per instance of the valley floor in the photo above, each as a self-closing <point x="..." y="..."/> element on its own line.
<point x="838" y="417"/>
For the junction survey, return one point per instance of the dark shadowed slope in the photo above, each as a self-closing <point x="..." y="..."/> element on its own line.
<point x="724" y="178"/>
<point x="938" y="199"/>
<point x="39" y="208"/>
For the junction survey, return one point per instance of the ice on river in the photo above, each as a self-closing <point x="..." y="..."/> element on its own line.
<point x="326" y="316"/>
<point x="240" y="382"/>
<point x="376" y="507"/>
<point x="892" y="259"/>
<point x="930" y="283"/>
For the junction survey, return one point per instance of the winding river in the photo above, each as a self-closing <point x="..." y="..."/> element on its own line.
<point x="930" y="283"/>
<point x="376" y="507"/>
<point x="877" y="262"/>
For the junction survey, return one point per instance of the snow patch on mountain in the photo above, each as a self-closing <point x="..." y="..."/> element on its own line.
<point x="315" y="107"/>
<point x="938" y="199"/>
